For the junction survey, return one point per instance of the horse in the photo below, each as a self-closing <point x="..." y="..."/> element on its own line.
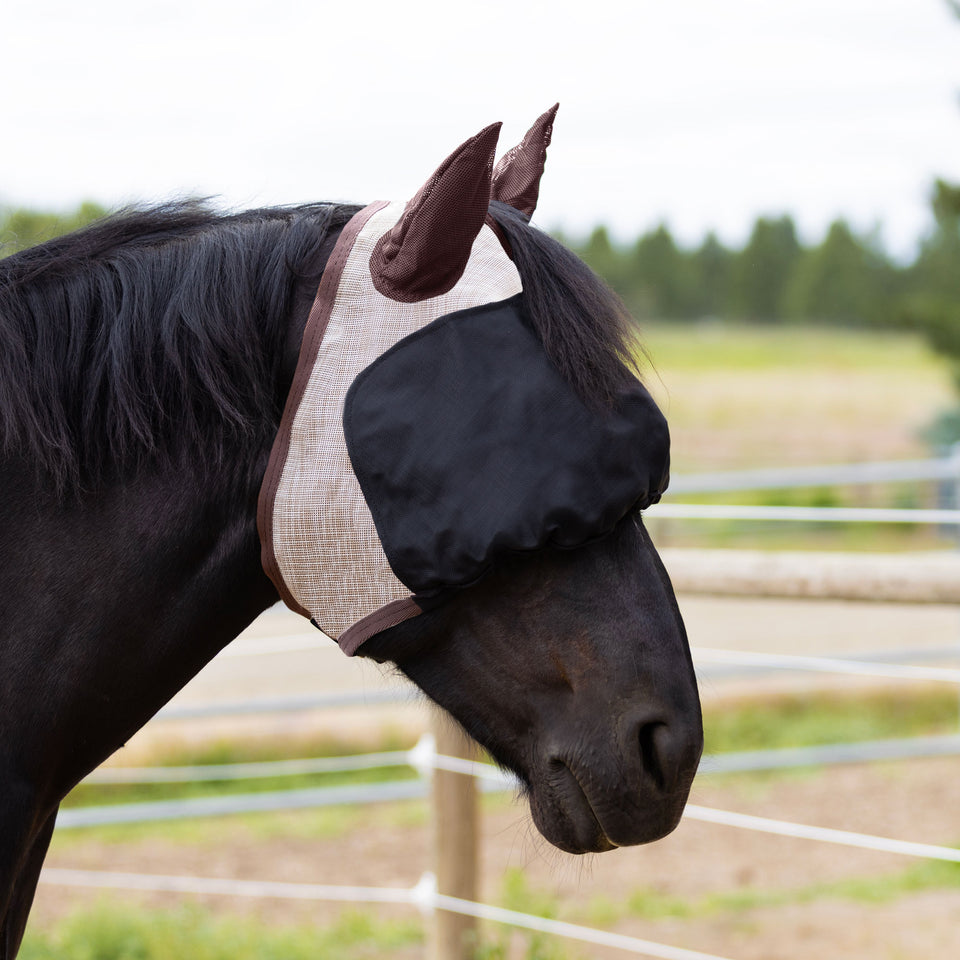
<point x="146" y="362"/>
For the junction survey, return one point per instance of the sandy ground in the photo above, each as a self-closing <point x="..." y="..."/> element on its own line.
<point x="916" y="800"/>
<point x="384" y="847"/>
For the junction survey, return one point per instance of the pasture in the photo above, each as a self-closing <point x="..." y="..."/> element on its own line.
<point x="738" y="396"/>
<point x="725" y="891"/>
<point x="735" y="397"/>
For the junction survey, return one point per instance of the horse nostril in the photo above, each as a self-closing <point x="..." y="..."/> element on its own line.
<point x="662" y="754"/>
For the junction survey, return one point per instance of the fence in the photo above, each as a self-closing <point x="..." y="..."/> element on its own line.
<point x="450" y="893"/>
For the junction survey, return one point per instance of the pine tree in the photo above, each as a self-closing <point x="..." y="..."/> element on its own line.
<point x="762" y="270"/>
<point x="21" y="228"/>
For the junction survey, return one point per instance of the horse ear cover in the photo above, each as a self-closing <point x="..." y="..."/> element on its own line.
<point x="516" y="179"/>
<point x="426" y="252"/>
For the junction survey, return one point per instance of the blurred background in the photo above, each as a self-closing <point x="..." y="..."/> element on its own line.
<point x="774" y="191"/>
<point x="770" y="187"/>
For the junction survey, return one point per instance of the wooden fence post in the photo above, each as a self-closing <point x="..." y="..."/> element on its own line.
<point x="455" y="842"/>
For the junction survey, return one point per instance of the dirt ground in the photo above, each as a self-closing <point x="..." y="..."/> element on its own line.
<point x="786" y="909"/>
<point x="787" y="912"/>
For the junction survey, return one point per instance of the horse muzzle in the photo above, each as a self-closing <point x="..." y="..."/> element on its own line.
<point x="595" y="794"/>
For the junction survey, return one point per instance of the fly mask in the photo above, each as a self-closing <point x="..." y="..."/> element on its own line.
<point x="426" y="432"/>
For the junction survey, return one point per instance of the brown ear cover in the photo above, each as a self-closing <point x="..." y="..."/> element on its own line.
<point x="516" y="179"/>
<point x="425" y="253"/>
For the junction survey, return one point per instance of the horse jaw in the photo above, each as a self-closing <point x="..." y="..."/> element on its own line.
<point x="572" y="669"/>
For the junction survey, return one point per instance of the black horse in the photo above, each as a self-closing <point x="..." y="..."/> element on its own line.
<point x="144" y="366"/>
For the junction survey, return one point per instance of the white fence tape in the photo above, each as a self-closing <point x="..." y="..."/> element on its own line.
<point x="840" y="474"/>
<point x="424" y="895"/>
<point x="718" y="511"/>
<point x="425" y="759"/>
<point x="248" y="771"/>
<point x="784" y="661"/>
<point x="941" y="745"/>
<point x="571" y="931"/>
<point x="845" y="838"/>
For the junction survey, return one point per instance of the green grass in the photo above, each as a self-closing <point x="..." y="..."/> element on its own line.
<point x="712" y="345"/>
<point x="110" y="932"/>
<point x="809" y="719"/>
<point x="190" y="933"/>
<point x="212" y="833"/>
<point x="243" y="751"/>
<point x="517" y="894"/>
<point x="651" y="904"/>
<point x="826" y="535"/>
<point x="134" y="933"/>
<point x="740" y="396"/>
<point x="101" y="794"/>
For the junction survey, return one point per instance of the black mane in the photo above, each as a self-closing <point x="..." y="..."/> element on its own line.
<point x="150" y="332"/>
<point x="585" y="328"/>
<point x="157" y="331"/>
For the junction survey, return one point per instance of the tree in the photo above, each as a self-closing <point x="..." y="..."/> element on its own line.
<point x="712" y="267"/>
<point x="763" y="268"/>
<point x="605" y="259"/>
<point x="660" y="277"/>
<point x="933" y="304"/>
<point x="21" y="228"/>
<point x="843" y="281"/>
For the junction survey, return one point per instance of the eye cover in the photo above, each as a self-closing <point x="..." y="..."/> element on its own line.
<point x="468" y="444"/>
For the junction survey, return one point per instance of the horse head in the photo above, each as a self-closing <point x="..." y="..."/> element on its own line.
<point x="490" y="450"/>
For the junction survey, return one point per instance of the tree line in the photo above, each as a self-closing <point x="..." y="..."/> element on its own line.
<point x="21" y="227"/>
<point x="846" y="279"/>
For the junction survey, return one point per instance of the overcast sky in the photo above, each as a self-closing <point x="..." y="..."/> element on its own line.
<point x="702" y="113"/>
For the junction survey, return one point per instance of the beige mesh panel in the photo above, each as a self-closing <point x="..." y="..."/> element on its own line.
<point x="325" y="541"/>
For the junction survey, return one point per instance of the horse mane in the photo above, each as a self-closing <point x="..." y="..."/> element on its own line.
<point x="586" y="330"/>
<point x="159" y="330"/>
<point x="150" y="332"/>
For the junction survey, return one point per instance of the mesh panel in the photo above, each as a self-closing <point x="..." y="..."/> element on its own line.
<point x="325" y="541"/>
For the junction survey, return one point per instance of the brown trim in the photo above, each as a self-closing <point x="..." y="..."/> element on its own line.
<point x="389" y="615"/>
<point x="313" y="332"/>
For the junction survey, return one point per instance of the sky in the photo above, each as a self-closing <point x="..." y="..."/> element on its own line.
<point x="702" y="114"/>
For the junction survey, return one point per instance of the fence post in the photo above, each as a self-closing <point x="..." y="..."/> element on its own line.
<point x="455" y="842"/>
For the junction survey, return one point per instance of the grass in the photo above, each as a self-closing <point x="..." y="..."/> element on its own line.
<point x="810" y="719"/>
<point x="98" y="794"/>
<point x="651" y="904"/>
<point x="111" y="932"/>
<point x="517" y="894"/>
<point x="230" y="751"/>
<point x="718" y="345"/>
<point x="212" y="833"/>
<point x="127" y="933"/>
<point x="740" y="396"/>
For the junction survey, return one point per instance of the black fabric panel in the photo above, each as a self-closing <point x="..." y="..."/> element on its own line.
<point x="468" y="444"/>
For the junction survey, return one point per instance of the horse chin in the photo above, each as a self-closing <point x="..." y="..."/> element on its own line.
<point x="564" y="814"/>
